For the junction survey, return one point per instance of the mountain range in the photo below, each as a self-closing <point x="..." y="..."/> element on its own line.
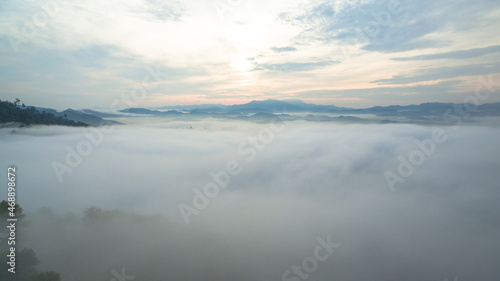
<point x="288" y="110"/>
<point x="300" y="106"/>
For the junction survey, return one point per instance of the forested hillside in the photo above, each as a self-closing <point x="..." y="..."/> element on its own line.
<point x="12" y="112"/>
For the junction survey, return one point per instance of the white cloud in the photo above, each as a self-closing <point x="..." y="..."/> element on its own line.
<point x="311" y="181"/>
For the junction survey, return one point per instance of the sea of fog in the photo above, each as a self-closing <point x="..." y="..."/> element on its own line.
<point x="224" y="200"/>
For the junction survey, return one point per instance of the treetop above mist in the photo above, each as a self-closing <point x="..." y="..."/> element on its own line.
<point x="29" y="115"/>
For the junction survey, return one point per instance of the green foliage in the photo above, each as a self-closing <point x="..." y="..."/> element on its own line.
<point x="94" y="214"/>
<point x="26" y="259"/>
<point x="11" y="112"/>
<point x="4" y="211"/>
<point x="47" y="276"/>
<point x="26" y="262"/>
<point x="4" y="215"/>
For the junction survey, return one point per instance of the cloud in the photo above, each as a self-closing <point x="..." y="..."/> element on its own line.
<point x="283" y="49"/>
<point x="165" y="10"/>
<point x="445" y="72"/>
<point x="377" y="95"/>
<point x="105" y="72"/>
<point x="329" y="182"/>
<point x="461" y="54"/>
<point x="294" y="66"/>
<point x="386" y="26"/>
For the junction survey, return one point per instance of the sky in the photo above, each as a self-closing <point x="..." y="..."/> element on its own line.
<point x="89" y="54"/>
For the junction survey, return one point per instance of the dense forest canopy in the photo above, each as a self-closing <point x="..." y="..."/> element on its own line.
<point x="12" y="112"/>
<point x="27" y="261"/>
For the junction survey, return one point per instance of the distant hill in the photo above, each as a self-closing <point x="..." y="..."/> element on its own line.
<point x="432" y="109"/>
<point x="261" y="111"/>
<point x="290" y="106"/>
<point x="150" y="112"/>
<point x="136" y="110"/>
<point x="289" y="110"/>
<point x="100" y="114"/>
<point x="315" y="107"/>
<point x="86" y="118"/>
<point x="12" y="112"/>
<point x="266" y="106"/>
<point x="269" y="106"/>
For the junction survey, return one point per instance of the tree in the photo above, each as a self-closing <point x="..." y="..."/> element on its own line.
<point x="4" y="211"/>
<point x="26" y="262"/>
<point x="26" y="259"/>
<point x="92" y="213"/>
<point x="47" y="276"/>
<point x="11" y="112"/>
<point x="4" y="215"/>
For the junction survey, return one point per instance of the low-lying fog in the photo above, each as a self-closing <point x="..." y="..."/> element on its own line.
<point x="400" y="202"/>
